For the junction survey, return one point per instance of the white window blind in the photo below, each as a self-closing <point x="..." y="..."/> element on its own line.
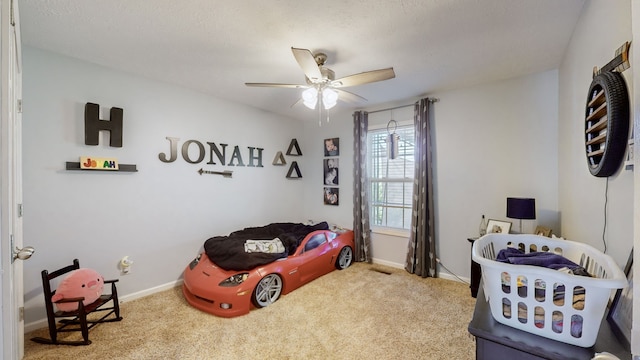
<point x="391" y="181"/>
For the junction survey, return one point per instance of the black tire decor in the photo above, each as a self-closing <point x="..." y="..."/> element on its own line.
<point x="606" y="123"/>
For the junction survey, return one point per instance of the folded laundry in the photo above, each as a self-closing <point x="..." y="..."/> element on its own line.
<point x="272" y="246"/>
<point x="543" y="259"/>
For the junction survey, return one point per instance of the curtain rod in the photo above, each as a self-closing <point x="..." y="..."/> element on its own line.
<point x="431" y="100"/>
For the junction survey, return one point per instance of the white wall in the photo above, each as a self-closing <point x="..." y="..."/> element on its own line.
<point x="490" y="142"/>
<point x="340" y="125"/>
<point x="602" y="28"/>
<point x="635" y="62"/>
<point x="159" y="216"/>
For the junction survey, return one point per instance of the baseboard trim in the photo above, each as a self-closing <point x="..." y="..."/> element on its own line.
<point x="42" y="323"/>
<point x="387" y="263"/>
<point x="151" y="291"/>
<point x="444" y="275"/>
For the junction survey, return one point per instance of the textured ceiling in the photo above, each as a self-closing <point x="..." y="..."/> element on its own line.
<point x="216" y="46"/>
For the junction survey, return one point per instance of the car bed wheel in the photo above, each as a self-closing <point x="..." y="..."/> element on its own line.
<point x="345" y="258"/>
<point x="267" y="291"/>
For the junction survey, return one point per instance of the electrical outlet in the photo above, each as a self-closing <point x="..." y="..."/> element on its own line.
<point x="125" y="265"/>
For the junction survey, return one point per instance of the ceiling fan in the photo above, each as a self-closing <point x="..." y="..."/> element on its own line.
<point x="322" y="86"/>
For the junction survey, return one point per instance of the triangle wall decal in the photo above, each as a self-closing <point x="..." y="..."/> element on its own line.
<point x="279" y="159"/>
<point x="292" y="145"/>
<point x="294" y="166"/>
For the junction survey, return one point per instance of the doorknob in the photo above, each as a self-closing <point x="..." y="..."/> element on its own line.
<point x="24" y="253"/>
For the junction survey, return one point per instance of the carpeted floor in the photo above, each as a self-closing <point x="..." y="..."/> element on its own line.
<point x="357" y="313"/>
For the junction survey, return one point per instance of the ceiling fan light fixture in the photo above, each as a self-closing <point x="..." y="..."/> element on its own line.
<point x="321" y="83"/>
<point x="310" y="98"/>
<point x="329" y="98"/>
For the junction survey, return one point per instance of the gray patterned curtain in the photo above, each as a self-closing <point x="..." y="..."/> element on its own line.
<point x="421" y="255"/>
<point x="361" y="227"/>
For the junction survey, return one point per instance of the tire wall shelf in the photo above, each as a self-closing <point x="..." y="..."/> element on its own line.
<point x="606" y="123"/>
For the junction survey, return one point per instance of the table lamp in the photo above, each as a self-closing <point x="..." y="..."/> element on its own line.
<point x="521" y="208"/>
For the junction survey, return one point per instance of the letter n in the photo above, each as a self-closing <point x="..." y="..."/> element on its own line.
<point x="93" y="125"/>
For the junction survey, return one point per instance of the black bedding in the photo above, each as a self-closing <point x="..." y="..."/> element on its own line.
<point x="228" y="252"/>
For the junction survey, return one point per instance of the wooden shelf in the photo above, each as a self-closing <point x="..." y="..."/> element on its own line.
<point x="595" y="153"/>
<point x="598" y="131"/>
<point x="598" y="139"/>
<point x="121" y="168"/>
<point x="602" y="124"/>
<point x="598" y="100"/>
<point x="598" y="113"/>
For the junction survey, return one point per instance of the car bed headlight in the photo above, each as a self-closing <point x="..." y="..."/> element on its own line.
<point x="195" y="262"/>
<point x="234" y="280"/>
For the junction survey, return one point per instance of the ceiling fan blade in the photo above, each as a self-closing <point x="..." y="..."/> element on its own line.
<point x="308" y="64"/>
<point x="349" y="96"/>
<point x="296" y="103"/>
<point x="293" y="86"/>
<point x="364" y="78"/>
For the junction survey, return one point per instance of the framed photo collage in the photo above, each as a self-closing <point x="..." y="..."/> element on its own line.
<point x="331" y="171"/>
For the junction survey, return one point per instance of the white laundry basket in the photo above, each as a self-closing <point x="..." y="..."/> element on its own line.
<point x="546" y="302"/>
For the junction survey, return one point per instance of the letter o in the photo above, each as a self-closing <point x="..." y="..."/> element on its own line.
<point x="185" y="151"/>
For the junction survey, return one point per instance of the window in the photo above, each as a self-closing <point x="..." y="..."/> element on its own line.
<point x="315" y="241"/>
<point x="391" y="181"/>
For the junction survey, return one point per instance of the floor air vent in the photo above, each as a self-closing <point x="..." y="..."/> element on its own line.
<point x="381" y="271"/>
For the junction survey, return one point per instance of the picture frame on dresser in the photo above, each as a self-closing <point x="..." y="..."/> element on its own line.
<point x="543" y="231"/>
<point x="620" y="310"/>
<point x="498" y="226"/>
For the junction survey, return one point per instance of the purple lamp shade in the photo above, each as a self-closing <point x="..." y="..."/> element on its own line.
<point x="521" y="208"/>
